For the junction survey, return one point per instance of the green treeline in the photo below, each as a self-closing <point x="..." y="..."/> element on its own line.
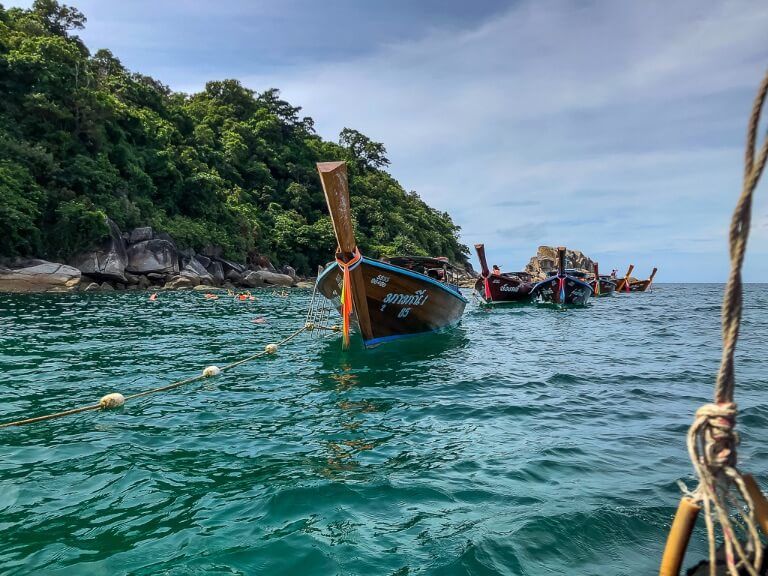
<point x="81" y="137"/>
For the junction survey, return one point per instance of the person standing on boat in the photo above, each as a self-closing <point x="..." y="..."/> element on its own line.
<point x="496" y="270"/>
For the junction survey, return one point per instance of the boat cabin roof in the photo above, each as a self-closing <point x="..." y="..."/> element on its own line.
<point x="411" y="262"/>
<point x="571" y="272"/>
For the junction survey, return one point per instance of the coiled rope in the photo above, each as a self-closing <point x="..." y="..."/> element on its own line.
<point x="712" y="439"/>
<point x="116" y="399"/>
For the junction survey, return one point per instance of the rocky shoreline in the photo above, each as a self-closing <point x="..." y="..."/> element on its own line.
<point x="142" y="260"/>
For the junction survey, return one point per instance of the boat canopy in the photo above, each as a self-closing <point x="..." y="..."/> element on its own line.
<point x="571" y="272"/>
<point x="416" y="262"/>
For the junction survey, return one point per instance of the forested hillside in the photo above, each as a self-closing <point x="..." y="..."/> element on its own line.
<point x="82" y="138"/>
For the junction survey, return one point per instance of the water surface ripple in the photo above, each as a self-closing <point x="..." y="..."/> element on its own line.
<point x="527" y="441"/>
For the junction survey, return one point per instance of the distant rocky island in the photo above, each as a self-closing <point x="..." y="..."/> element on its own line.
<point x="545" y="261"/>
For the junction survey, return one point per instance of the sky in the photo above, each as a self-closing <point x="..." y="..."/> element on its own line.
<point x="614" y="127"/>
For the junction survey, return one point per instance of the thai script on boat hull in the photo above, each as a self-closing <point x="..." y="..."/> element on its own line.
<point x="416" y="299"/>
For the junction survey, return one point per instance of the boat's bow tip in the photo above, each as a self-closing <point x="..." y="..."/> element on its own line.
<point x="326" y="167"/>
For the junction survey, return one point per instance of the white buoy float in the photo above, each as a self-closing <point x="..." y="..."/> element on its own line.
<point x="114" y="400"/>
<point x="211" y="371"/>
<point x="270" y="349"/>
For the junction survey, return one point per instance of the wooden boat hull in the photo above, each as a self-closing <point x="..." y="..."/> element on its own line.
<point x="575" y="293"/>
<point x="400" y="302"/>
<point x="503" y="290"/>
<point x="640" y="286"/>
<point x="607" y="287"/>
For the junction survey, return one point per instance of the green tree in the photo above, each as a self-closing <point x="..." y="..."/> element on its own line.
<point x="82" y="137"/>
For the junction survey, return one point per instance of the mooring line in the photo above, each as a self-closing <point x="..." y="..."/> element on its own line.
<point x="115" y="399"/>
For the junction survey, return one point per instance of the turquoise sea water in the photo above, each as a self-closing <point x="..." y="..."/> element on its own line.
<point x="527" y="441"/>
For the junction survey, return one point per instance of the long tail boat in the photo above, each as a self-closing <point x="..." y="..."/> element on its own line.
<point x="623" y="284"/>
<point x="562" y="288"/>
<point x="503" y="288"/>
<point x="601" y="285"/>
<point x="643" y="285"/>
<point x="385" y="301"/>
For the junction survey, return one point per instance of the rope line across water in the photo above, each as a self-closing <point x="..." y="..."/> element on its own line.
<point x="114" y="400"/>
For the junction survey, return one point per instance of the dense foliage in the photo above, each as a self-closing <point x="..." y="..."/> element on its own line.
<point x="81" y="137"/>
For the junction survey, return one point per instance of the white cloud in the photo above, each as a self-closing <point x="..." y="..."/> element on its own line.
<point x="629" y="112"/>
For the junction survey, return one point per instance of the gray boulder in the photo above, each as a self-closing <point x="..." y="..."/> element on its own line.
<point x="252" y="279"/>
<point x="216" y="270"/>
<point x="204" y="260"/>
<point x="141" y="235"/>
<point x="46" y="277"/>
<point x="106" y="286"/>
<point x="195" y="270"/>
<point x="181" y="282"/>
<point x="261" y="278"/>
<point x="234" y="277"/>
<point x="131" y="279"/>
<point x="227" y="266"/>
<point x="187" y="252"/>
<point x="108" y="261"/>
<point x="165" y="236"/>
<point x="158" y="256"/>
<point x="290" y="271"/>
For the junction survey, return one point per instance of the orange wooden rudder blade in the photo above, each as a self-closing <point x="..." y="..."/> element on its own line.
<point x="597" y="280"/>
<point x="346" y="291"/>
<point x="678" y="538"/>
<point x="759" y="502"/>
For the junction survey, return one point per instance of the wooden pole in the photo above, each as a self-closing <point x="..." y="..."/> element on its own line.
<point x="333" y="176"/>
<point x="679" y="536"/>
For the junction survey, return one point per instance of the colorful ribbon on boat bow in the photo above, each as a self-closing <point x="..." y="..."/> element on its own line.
<point x="487" y="289"/>
<point x="346" y="291"/>
<point x="561" y="289"/>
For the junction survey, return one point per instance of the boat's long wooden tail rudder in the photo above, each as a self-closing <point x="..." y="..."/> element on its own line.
<point x="597" y="279"/>
<point x="484" y="271"/>
<point x="623" y="284"/>
<point x="333" y="176"/>
<point x="561" y="274"/>
<point x="650" y="279"/>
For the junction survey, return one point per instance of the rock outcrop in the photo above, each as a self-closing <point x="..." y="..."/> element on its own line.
<point x="108" y="261"/>
<point x="261" y="278"/>
<point x="196" y="271"/>
<point x="43" y="277"/>
<point x="545" y="262"/>
<point x="140" y="235"/>
<point x="159" y="256"/>
<point x="138" y="260"/>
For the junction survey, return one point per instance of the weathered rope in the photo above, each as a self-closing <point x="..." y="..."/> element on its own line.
<point x="346" y="291"/>
<point x="712" y="439"/>
<point x="115" y="399"/>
